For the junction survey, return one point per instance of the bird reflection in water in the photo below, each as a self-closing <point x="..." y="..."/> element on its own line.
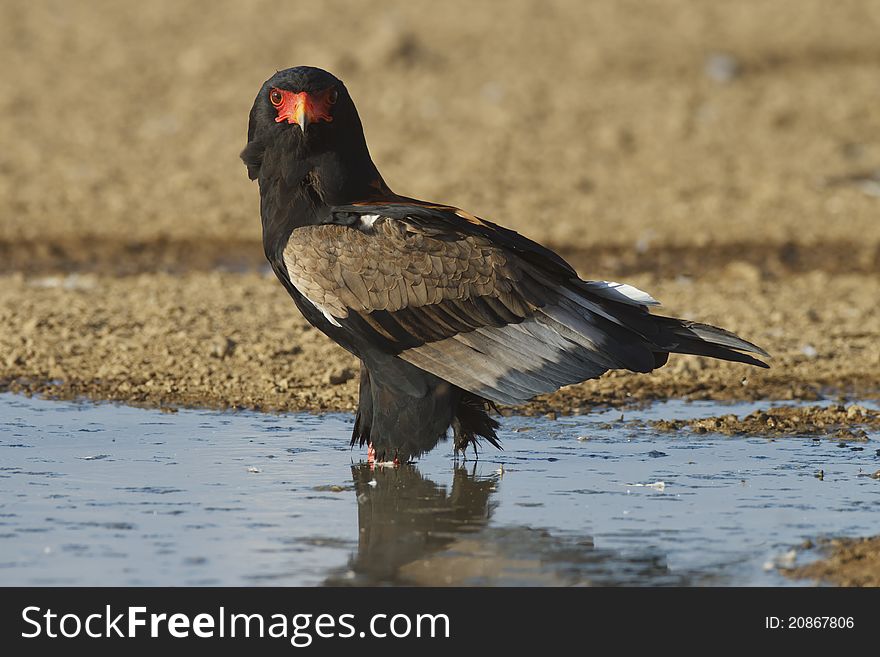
<point x="404" y="517"/>
<point x="413" y="531"/>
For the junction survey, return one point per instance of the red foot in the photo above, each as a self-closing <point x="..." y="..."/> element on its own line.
<point x="371" y="457"/>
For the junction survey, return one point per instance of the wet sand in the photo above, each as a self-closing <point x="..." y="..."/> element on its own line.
<point x="842" y="422"/>
<point x="727" y="163"/>
<point x="846" y="562"/>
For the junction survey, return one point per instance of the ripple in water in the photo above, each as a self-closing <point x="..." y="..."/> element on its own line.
<point x="112" y="495"/>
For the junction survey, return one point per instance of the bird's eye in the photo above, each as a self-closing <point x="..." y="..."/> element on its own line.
<point x="333" y="96"/>
<point x="275" y="97"/>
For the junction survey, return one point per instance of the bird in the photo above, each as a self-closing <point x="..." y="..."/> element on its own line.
<point x="450" y="315"/>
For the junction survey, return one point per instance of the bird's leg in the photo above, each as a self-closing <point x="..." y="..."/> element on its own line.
<point x="460" y="442"/>
<point x="371" y="455"/>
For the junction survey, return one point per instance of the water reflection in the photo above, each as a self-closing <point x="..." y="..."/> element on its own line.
<point x="413" y="531"/>
<point x="404" y="517"/>
<point x="101" y="495"/>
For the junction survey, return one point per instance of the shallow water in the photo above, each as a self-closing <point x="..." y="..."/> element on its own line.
<point x="112" y="495"/>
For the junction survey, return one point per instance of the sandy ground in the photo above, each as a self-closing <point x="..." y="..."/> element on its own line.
<point x="221" y="339"/>
<point x="724" y="157"/>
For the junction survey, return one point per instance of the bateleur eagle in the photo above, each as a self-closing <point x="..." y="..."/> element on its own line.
<point x="449" y="314"/>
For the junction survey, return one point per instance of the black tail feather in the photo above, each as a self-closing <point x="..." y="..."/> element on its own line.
<point x="684" y="337"/>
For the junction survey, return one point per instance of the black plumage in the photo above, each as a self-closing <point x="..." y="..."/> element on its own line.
<point x="448" y="313"/>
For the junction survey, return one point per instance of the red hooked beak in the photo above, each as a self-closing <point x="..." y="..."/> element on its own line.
<point x="302" y="108"/>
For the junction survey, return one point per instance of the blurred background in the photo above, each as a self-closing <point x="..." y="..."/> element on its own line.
<point x="726" y="155"/>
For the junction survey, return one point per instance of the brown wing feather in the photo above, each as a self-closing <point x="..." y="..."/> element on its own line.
<point x="394" y="266"/>
<point x="479" y="306"/>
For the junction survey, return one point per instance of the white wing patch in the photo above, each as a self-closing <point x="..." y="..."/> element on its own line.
<point x="621" y="292"/>
<point x="330" y="318"/>
<point x="367" y="221"/>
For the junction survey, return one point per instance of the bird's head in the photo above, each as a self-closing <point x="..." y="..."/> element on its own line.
<point x="305" y="112"/>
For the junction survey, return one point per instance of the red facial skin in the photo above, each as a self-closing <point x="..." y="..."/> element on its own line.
<point x="303" y="108"/>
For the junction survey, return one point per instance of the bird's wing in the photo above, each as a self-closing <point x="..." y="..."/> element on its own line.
<point x="451" y="297"/>
<point x="480" y="306"/>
